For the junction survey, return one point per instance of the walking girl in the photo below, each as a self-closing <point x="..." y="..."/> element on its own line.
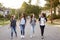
<point x="22" y="25"/>
<point x="42" y="21"/>
<point x="13" y="26"/>
<point x="33" y="23"/>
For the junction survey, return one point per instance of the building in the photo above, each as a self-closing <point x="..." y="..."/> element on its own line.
<point x="5" y="11"/>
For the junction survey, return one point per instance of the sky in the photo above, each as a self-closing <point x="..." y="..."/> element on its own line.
<point x="18" y="3"/>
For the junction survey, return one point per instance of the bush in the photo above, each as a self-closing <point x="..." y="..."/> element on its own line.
<point x="58" y="16"/>
<point x="54" y="16"/>
<point x="1" y="16"/>
<point x="8" y="17"/>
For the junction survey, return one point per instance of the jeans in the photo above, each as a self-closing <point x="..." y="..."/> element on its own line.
<point x="22" y="27"/>
<point x="13" y="29"/>
<point x="32" y="29"/>
<point x="42" y="29"/>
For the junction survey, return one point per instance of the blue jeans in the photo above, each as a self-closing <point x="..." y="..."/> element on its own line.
<point x="22" y="27"/>
<point x="13" y="29"/>
<point x="32" y="28"/>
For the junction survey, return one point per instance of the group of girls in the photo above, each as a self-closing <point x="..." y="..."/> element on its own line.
<point x="42" y="20"/>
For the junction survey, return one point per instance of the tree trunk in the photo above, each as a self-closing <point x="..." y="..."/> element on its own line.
<point x="55" y="10"/>
<point x="51" y="11"/>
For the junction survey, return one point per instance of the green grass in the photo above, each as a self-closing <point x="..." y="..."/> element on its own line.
<point x="4" y="22"/>
<point x="55" y="22"/>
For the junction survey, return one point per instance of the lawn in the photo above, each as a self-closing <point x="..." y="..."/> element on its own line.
<point x="55" y="22"/>
<point x="4" y="22"/>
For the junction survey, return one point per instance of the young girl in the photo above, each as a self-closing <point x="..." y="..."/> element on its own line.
<point x="22" y="25"/>
<point x="13" y="26"/>
<point x="33" y="23"/>
<point x="42" y="21"/>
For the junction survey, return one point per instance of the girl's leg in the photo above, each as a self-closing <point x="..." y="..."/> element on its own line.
<point x="32" y="31"/>
<point x="15" y="31"/>
<point x="23" y="29"/>
<point x="33" y="28"/>
<point x="11" y="31"/>
<point x="42" y="30"/>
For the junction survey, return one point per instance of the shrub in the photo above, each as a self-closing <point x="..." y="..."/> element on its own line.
<point x="1" y="16"/>
<point x="54" y="16"/>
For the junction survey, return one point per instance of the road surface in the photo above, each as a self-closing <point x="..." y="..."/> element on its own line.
<point x="52" y="32"/>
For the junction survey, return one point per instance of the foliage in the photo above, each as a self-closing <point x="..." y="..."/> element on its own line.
<point x="1" y="16"/>
<point x="0" y="5"/>
<point x="29" y="9"/>
<point x="12" y="12"/>
<point x="54" y="4"/>
<point x="54" y="16"/>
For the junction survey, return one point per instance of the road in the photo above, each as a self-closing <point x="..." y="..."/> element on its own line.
<point x="52" y="32"/>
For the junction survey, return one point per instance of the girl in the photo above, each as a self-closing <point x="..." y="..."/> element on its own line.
<point x="42" y="21"/>
<point x="13" y="26"/>
<point x="22" y="25"/>
<point x="32" y="22"/>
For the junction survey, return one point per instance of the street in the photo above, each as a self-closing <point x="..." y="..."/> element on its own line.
<point x="52" y="32"/>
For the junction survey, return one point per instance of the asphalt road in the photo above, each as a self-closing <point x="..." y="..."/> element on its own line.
<point x="52" y="32"/>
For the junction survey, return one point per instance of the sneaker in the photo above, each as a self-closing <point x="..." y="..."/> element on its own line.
<point x="16" y="35"/>
<point x="21" y="36"/>
<point x="31" y="36"/>
<point x="42" y="37"/>
<point x="11" y="38"/>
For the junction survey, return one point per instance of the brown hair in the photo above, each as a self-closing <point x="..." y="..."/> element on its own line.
<point x="12" y="17"/>
<point x="44" y="14"/>
<point x="23" y="15"/>
<point x="31" y="18"/>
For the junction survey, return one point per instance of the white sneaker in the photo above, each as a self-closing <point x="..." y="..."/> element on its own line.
<point x="21" y="36"/>
<point x="31" y="36"/>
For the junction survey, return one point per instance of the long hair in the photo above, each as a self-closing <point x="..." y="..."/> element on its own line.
<point x="23" y="16"/>
<point x="44" y="14"/>
<point x="12" y="17"/>
<point x="31" y="18"/>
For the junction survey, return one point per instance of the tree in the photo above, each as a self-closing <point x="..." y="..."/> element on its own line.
<point x="54" y="4"/>
<point x="24" y="6"/>
<point x="12" y="11"/>
<point x="29" y="9"/>
<point x="30" y="2"/>
<point x="1" y="5"/>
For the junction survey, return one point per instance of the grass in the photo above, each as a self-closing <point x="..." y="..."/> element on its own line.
<point x="4" y="22"/>
<point x="55" y="22"/>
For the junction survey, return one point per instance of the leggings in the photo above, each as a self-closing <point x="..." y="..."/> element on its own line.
<point x="42" y="29"/>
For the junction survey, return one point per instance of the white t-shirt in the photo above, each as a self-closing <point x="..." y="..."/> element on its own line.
<point x="42" y="21"/>
<point x="22" y="21"/>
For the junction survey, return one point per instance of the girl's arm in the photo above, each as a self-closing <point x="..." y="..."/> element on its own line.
<point x="46" y="19"/>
